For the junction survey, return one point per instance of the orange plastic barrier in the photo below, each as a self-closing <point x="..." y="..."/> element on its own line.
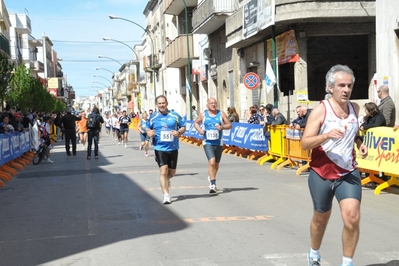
<point x="296" y="156"/>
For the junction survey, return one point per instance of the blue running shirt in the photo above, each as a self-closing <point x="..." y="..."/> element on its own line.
<point x="163" y="124"/>
<point x="143" y="124"/>
<point x="212" y="136"/>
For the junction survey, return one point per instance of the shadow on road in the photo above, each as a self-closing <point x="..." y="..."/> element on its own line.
<point x="51" y="211"/>
<point x="208" y="195"/>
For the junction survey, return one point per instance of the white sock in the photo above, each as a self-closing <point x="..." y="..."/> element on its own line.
<point x="346" y="261"/>
<point x="314" y="253"/>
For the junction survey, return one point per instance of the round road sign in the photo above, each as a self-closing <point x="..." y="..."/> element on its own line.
<point x="251" y="80"/>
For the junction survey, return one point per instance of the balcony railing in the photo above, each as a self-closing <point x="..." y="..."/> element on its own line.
<point x="176" y="52"/>
<point x="5" y="45"/>
<point x="211" y="15"/>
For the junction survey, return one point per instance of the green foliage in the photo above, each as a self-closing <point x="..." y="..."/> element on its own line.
<point x="5" y="76"/>
<point x="28" y="93"/>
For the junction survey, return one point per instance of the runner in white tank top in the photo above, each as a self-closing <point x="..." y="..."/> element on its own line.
<point x="336" y="156"/>
<point x="330" y="133"/>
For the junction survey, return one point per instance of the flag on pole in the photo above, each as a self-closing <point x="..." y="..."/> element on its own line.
<point x="188" y="86"/>
<point x="270" y="78"/>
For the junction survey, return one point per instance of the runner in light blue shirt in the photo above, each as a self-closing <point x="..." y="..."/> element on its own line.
<point x="213" y="122"/>
<point x="165" y="127"/>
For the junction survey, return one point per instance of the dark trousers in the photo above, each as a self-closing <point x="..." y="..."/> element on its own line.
<point x="92" y="135"/>
<point x="70" y="135"/>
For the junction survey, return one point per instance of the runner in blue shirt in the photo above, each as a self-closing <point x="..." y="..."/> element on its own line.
<point x="165" y="127"/>
<point x="213" y="122"/>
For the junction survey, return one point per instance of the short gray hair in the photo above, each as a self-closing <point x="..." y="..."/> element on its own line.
<point x="330" y="77"/>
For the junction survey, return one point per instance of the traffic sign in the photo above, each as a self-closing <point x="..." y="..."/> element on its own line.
<point x="251" y="80"/>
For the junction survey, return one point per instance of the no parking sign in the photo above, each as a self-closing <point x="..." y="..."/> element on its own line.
<point x="251" y="80"/>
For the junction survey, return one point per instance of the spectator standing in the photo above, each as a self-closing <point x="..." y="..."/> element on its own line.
<point x="331" y="132"/>
<point x="279" y="118"/>
<point x="387" y="106"/>
<point x="194" y="113"/>
<point x="214" y="121"/>
<point x="165" y="127"/>
<point x="296" y="120"/>
<point x="303" y="114"/>
<point x="254" y="117"/>
<point x="268" y="113"/>
<point x="57" y="122"/>
<point x="373" y="117"/>
<point x="45" y="137"/>
<point x="94" y="121"/>
<point x="232" y="115"/>
<point x="17" y="123"/>
<point x="26" y="121"/>
<point x="5" y="126"/>
<point x="69" y="128"/>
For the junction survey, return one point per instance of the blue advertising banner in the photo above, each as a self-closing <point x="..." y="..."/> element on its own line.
<point x="13" y="145"/>
<point x="247" y="136"/>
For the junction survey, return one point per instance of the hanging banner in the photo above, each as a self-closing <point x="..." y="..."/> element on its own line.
<point x="286" y="48"/>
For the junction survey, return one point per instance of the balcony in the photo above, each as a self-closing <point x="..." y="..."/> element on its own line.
<point x="25" y="25"/>
<point x="133" y="87"/>
<point x="211" y="15"/>
<point x="175" y="7"/>
<point x="37" y="66"/>
<point x="150" y="66"/>
<point x="176" y="52"/>
<point x="5" y="45"/>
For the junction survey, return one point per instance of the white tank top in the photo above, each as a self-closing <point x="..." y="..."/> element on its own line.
<point x="336" y="157"/>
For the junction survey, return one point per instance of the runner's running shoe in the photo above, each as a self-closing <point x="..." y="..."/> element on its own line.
<point x="313" y="261"/>
<point x="166" y="199"/>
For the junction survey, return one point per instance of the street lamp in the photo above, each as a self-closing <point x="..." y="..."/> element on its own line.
<point x="188" y="61"/>
<point x="101" y="83"/>
<point x="98" y="68"/>
<point x="98" y="87"/>
<point x="109" y="39"/>
<point x="103" y="78"/>
<point x="137" y="63"/>
<point x="152" y="54"/>
<point x="101" y="56"/>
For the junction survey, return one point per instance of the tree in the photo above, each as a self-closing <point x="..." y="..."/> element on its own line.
<point x="28" y="93"/>
<point x="5" y="75"/>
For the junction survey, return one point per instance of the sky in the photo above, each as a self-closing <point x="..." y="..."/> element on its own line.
<point x="76" y="29"/>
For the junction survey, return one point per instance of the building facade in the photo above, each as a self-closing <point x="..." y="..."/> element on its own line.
<point x="226" y="42"/>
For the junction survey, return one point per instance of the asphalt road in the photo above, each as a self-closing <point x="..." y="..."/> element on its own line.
<point x="109" y="212"/>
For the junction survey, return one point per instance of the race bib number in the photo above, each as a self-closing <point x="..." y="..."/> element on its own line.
<point x="212" y="134"/>
<point x="166" y="136"/>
